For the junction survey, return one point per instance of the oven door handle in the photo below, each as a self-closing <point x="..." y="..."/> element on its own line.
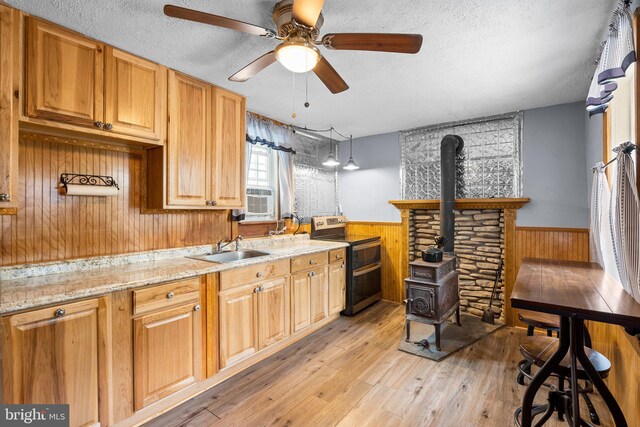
<point x="366" y="246"/>
<point x="366" y="269"/>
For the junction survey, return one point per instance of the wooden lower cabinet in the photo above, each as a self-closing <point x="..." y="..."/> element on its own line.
<point x="310" y="296"/>
<point x="238" y="324"/>
<point x="273" y="312"/>
<point x="60" y="355"/>
<point x="168" y="352"/>
<point x="337" y="287"/>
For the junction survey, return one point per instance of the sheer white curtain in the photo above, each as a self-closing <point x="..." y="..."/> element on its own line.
<point x="280" y="139"/>
<point x="601" y="236"/>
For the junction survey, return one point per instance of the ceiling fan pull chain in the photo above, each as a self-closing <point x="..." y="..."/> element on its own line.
<point x="306" y="89"/>
<point x="294" y="96"/>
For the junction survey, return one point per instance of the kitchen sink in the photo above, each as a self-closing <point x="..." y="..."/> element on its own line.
<point x="223" y="257"/>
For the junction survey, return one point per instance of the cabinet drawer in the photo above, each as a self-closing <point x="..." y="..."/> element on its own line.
<point x="308" y="261"/>
<point x="242" y="276"/>
<point x="337" y="255"/>
<point x="162" y="296"/>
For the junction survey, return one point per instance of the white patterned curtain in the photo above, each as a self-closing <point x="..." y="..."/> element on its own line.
<point x="625" y="218"/>
<point x="618" y="53"/>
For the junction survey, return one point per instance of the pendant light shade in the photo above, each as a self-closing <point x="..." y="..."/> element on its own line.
<point x="331" y="160"/>
<point x="351" y="164"/>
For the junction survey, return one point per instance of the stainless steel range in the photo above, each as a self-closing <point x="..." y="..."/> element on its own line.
<point x="364" y="279"/>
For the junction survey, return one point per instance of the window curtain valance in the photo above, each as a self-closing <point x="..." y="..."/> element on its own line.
<point x="618" y="53"/>
<point x="265" y="132"/>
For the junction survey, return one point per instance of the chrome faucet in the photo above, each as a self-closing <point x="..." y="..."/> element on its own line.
<point x="223" y="243"/>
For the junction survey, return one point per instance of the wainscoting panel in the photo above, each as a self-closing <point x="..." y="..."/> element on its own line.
<point x="50" y="226"/>
<point x="391" y="236"/>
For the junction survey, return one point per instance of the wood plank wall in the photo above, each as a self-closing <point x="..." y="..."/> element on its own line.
<point x="391" y="236"/>
<point x="50" y="226"/>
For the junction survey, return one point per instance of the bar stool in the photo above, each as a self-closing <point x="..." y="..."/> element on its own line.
<point x="535" y="319"/>
<point x="536" y="351"/>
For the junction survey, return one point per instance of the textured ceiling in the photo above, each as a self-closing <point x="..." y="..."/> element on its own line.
<point x="479" y="57"/>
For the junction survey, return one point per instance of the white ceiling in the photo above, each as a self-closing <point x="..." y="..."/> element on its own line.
<point x="479" y="57"/>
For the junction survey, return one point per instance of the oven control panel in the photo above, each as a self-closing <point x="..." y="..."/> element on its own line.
<point x="327" y="222"/>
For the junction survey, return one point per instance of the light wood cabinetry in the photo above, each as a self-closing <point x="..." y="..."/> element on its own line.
<point x="168" y="350"/>
<point x="64" y="75"/>
<point x="252" y="317"/>
<point x="204" y="154"/>
<point x="337" y="287"/>
<point x="229" y="148"/>
<point x="135" y="95"/>
<point x="273" y="311"/>
<point x="8" y="109"/>
<point x="60" y="355"/>
<point x="310" y="290"/>
<point x="238" y="324"/>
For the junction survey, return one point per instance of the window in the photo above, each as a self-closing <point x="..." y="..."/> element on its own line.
<point x="261" y="185"/>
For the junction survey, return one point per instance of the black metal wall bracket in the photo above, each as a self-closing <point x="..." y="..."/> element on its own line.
<point x="82" y="179"/>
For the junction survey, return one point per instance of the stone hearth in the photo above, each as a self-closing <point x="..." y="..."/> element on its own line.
<point x="479" y="245"/>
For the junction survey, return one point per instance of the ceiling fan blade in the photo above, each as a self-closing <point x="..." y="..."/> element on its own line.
<point x="399" y="43"/>
<point x="254" y="68"/>
<point x="306" y="12"/>
<point x="330" y="76"/>
<point x="219" y="21"/>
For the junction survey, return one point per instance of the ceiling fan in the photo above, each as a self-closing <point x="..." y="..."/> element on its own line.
<point x="299" y="23"/>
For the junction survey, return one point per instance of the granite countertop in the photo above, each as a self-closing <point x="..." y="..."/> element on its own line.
<point x="57" y="282"/>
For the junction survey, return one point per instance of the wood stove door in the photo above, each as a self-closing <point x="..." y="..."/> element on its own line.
<point x="421" y="301"/>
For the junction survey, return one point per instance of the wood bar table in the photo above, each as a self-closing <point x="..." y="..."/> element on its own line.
<point x="575" y="291"/>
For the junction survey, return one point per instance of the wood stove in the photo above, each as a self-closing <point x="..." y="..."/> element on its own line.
<point x="432" y="294"/>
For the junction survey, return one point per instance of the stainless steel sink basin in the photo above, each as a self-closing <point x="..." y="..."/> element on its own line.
<point x="224" y="257"/>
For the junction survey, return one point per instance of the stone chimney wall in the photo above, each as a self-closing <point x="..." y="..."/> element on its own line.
<point x="479" y="246"/>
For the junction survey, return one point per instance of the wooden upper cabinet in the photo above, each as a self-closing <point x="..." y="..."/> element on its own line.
<point x="58" y="355"/>
<point x="8" y="108"/>
<point x="135" y="95"/>
<point x="188" y="144"/>
<point x="64" y="75"/>
<point x="229" y="145"/>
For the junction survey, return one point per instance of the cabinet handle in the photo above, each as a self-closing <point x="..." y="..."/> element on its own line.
<point x="59" y="312"/>
<point x="312" y="261"/>
<point x="196" y="307"/>
<point x="312" y="273"/>
<point x="207" y="202"/>
<point x="99" y="124"/>
<point x="259" y="274"/>
<point x="169" y="295"/>
<point x="108" y="126"/>
<point x="5" y="197"/>
<point x="338" y="256"/>
<point x="257" y="289"/>
<point x="214" y="203"/>
<point x="261" y="288"/>
<point x="342" y="266"/>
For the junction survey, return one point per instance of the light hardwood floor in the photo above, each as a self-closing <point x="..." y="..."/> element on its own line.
<point x="350" y="373"/>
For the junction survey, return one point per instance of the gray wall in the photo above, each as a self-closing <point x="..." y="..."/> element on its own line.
<point x="593" y="141"/>
<point x="555" y="170"/>
<point x="364" y="193"/>
<point x="554" y="163"/>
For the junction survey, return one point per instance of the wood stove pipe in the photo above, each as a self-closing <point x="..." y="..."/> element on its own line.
<point x="449" y="147"/>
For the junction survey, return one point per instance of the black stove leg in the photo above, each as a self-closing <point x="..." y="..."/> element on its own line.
<point x="437" y="326"/>
<point x="458" y="316"/>
<point x="408" y="328"/>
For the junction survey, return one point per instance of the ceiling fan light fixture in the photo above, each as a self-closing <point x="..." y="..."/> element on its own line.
<point x="297" y="55"/>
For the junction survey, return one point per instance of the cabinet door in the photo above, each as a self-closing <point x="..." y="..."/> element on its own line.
<point x="319" y="288"/>
<point x="135" y="95"/>
<point x="273" y="311"/>
<point x="229" y="145"/>
<point x="238" y="325"/>
<point x="54" y="355"/>
<point x="337" y="288"/>
<point x="167" y="352"/>
<point x="188" y="141"/>
<point x="8" y="109"/>
<point x="301" y="297"/>
<point x="64" y="75"/>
